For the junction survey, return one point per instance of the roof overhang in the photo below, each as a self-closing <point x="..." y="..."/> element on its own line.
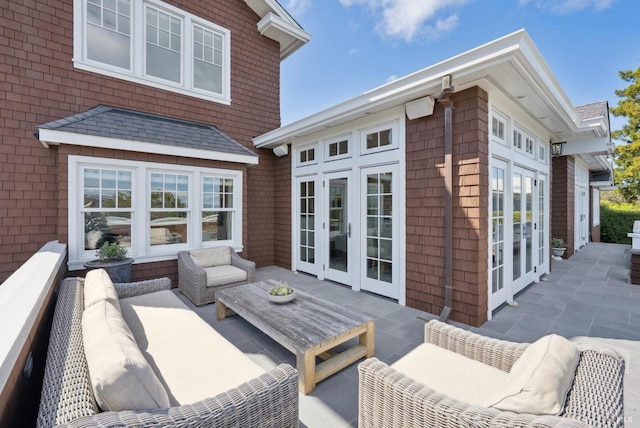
<point x="277" y="24"/>
<point x="49" y="137"/>
<point x="512" y="65"/>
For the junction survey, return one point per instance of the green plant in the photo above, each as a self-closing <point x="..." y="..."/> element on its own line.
<point x="558" y="243"/>
<point x="616" y="220"/>
<point x="112" y="252"/>
<point x="281" y="290"/>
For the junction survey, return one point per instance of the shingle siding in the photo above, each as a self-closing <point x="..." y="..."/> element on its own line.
<point x="39" y="84"/>
<point x="425" y="209"/>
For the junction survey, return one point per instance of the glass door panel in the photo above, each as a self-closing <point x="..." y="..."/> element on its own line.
<point x="524" y="251"/>
<point x="380" y="226"/>
<point x="497" y="287"/>
<point x="338" y="227"/>
<point x="306" y="213"/>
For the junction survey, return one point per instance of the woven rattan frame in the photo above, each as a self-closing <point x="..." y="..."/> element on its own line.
<point x="271" y="400"/>
<point x="192" y="279"/>
<point x="388" y="398"/>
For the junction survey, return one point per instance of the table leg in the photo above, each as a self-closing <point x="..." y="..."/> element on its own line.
<point x="221" y="310"/>
<point x="367" y="339"/>
<point x="306" y="371"/>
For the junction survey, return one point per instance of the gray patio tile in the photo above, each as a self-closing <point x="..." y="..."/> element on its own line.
<point x="529" y="329"/>
<point x="598" y="310"/>
<point x="576" y="319"/>
<point x="412" y="331"/>
<point x="568" y="331"/>
<point x="502" y="324"/>
<point x="537" y="310"/>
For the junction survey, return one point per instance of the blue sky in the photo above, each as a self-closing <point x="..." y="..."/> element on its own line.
<point x="358" y="45"/>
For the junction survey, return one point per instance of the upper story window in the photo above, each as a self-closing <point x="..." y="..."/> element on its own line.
<point x="523" y="142"/>
<point x="153" y="43"/>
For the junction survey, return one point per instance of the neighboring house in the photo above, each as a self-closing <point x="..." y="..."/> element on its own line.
<point x="443" y="189"/>
<point x="133" y="120"/>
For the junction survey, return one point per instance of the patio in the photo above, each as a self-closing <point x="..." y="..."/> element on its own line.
<point x="587" y="295"/>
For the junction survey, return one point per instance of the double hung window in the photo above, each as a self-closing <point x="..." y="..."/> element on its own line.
<point x="153" y="209"/>
<point x="153" y="43"/>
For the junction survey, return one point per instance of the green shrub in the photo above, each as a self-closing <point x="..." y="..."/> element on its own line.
<point x="616" y="220"/>
<point x="112" y="252"/>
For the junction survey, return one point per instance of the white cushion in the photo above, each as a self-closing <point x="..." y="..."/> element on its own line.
<point x="208" y="257"/>
<point x="193" y="360"/>
<point x="226" y="274"/>
<point x="120" y="375"/>
<point x="540" y="379"/>
<point x="447" y="372"/>
<point x="98" y="287"/>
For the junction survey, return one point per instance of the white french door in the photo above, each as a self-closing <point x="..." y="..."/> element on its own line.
<point x="524" y="223"/>
<point x="337" y="231"/>
<point x="499" y="186"/>
<point x="380" y="230"/>
<point x="305" y="224"/>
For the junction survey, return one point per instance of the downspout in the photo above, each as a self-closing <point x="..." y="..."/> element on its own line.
<point x="445" y="100"/>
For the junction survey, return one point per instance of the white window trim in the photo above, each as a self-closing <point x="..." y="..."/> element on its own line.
<point x="395" y="137"/>
<point x="137" y="74"/>
<point x="140" y="249"/>
<point x="505" y="121"/>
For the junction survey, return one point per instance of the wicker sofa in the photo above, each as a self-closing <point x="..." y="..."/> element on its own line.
<point x="269" y="399"/>
<point x="203" y="271"/>
<point x="389" y="397"/>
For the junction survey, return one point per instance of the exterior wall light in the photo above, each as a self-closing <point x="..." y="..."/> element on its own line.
<point x="556" y="149"/>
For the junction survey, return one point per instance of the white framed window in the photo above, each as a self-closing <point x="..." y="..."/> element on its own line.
<point x="153" y="209"/>
<point x="337" y="148"/>
<point x="499" y="128"/>
<point x="379" y="138"/>
<point x="529" y="144"/>
<point x="542" y="153"/>
<point x="523" y="142"/>
<point x="155" y="44"/>
<point x="306" y="155"/>
<point x="517" y="139"/>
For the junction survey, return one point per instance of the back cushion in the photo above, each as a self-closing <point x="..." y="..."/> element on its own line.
<point x="540" y="379"/>
<point x="209" y="257"/>
<point x="120" y="376"/>
<point x="98" y="287"/>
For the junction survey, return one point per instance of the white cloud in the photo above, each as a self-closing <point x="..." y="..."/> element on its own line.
<point x="297" y="7"/>
<point x="568" y="6"/>
<point x="352" y="52"/>
<point x="409" y="19"/>
<point x="392" y="78"/>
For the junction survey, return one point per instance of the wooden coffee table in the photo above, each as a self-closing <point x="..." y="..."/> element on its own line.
<point x="307" y="326"/>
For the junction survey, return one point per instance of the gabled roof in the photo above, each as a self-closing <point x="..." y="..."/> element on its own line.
<point x="593" y="110"/>
<point x="118" y="128"/>
<point x="277" y="24"/>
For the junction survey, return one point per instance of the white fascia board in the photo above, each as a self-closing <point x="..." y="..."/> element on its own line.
<point x="50" y="137"/>
<point x="290" y="36"/>
<point x="586" y="146"/>
<point x="419" y="84"/>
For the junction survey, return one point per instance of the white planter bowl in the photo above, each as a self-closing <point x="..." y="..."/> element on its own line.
<point x="282" y="299"/>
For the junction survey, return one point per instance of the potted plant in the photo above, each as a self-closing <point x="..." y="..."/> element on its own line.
<point x="559" y="247"/>
<point x="281" y="293"/>
<point x="112" y="257"/>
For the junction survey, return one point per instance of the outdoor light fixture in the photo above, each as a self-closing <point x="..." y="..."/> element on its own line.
<point x="556" y="148"/>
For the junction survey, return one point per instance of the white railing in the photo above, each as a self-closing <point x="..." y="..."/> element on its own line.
<point x="21" y="298"/>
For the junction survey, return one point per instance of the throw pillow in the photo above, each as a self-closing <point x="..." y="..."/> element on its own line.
<point x="120" y="376"/>
<point x="540" y="379"/>
<point x="97" y="287"/>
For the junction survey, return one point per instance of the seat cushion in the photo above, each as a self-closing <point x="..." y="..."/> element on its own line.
<point x="455" y="375"/>
<point x="222" y="275"/>
<point x="208" y="257"/>
<point x="98" y="287"/>
<point x="540" y="379"/>
<point x="193" y="360"/>
<point x="121" y="377"/>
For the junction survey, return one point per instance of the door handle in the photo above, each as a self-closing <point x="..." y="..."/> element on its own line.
<point x="349" y="230"/>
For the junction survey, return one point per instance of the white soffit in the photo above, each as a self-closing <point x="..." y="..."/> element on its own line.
<point x="277" y="24"/>
<point x="512" y="64"/>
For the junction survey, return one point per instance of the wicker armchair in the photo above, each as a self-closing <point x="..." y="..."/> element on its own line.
<point x="194" y="280"/>
<point x="388" y="398"/>
<point x="67" y="400"/>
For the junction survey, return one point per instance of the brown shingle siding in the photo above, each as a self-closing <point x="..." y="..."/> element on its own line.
<point x="39" y="83"/>
<point x="425" y="209"/>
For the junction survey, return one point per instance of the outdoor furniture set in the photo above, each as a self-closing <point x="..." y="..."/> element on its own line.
<point x="115" y="347"/>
